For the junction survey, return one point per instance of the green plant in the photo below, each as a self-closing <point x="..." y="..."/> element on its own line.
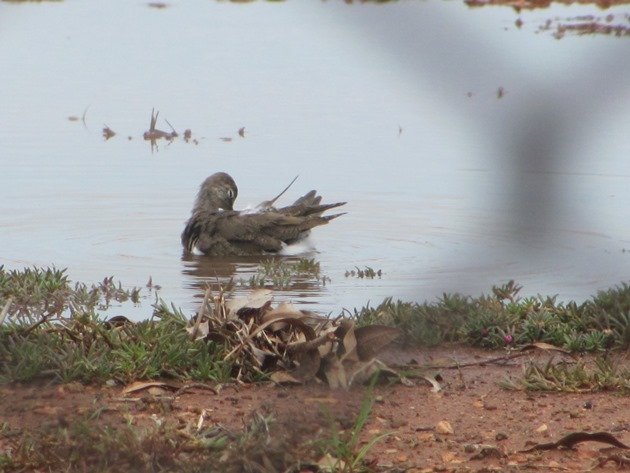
<point x="342" y="447"/>
<point x="84" y="348"/>
<point x="605" y="375"/>
<point x="503" y="319"/>
<point x="422" y="324"/>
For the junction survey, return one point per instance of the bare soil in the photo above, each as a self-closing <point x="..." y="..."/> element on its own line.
<point x="479" y="411"/>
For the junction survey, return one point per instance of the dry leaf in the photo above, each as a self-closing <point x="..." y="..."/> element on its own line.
<point x="202" y="330"/>
<point x="156" y="391"/>
<point x="335" y="374"/>
<point x="284" y="310"/>
<point x="321" y="400"/>
<point x="255" y="300"/>
<point x="330" y="464"/>
<point x="349" y="342"/>
<point x="261" y="356"/>
<point x="372" y="339"/>
<point x="140" y="385"/>
<point x="545" y="346"/>
<point x="308" y="365"/>
<point x="326" y="348"/>
<point x="358" y="372"/>
<point x="436" y="386"/>
<point x="282" y="323"/>
<point x="283" y="377"/>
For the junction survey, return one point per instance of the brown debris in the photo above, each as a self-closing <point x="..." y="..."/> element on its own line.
<point x="519" y="5"/>
<point x="147" y="385"/>
<point x="154" y="134"/>
<point x="289" y="345"/>
<point x="590" y="28"/>
<point x="108" y="133"/>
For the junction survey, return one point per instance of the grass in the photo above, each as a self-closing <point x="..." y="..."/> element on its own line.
<point x="100" y="442"/>
<point x="503" y="319"/>
<point x="606" y="375"/>
<point x="422" y="324"/>
<point x="54" y="330"/>
<point x="84" y="349"/>
<point x="341" y="449"/>
<point x="155" y="446"/>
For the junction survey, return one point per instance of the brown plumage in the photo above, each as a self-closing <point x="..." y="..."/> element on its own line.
<point x="216" y="229"/>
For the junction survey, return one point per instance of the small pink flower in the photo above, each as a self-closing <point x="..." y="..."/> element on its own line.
<point x="508" y="339"/>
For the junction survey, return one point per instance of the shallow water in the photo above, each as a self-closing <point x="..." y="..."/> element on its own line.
<point x="392" y="108"/>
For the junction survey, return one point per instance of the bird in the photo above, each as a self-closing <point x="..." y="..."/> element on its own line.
<point x="216" y="229"/>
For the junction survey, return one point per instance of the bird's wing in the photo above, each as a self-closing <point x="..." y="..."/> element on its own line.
<point x="268" y="231"/>
<point x="233" y="232"/>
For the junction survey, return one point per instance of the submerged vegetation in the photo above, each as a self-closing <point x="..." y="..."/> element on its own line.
<point x="279" y="274"/>
<point x="367" y="273"/>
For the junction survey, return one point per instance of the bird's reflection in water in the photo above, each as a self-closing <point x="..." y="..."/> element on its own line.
<point x="235" y="275"/>
<point x="201" y="270"/>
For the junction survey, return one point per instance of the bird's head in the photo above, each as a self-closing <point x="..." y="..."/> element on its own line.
<point x="218" y="191"/>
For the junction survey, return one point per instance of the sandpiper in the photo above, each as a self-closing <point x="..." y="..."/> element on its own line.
<point x="216" y="229"/>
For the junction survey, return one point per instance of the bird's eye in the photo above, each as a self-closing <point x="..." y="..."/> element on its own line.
<point x="230" y="194"/>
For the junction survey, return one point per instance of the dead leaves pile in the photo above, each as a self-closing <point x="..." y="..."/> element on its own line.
<point x="289" y="345"/>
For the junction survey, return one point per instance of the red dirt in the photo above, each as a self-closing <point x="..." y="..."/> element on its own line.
<point x="471" y="401"/>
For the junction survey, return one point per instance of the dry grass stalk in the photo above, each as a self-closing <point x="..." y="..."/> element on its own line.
<point x="5" y="310"/>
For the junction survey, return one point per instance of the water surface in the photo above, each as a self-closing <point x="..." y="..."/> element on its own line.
<point x="451" y="185"/>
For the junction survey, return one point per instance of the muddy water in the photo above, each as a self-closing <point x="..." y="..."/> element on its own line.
<point x="470" y="151"/>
